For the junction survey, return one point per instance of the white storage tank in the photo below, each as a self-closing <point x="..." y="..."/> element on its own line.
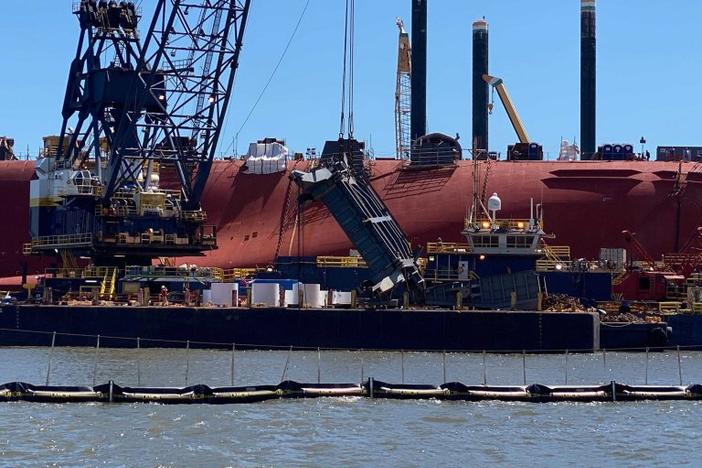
<point x="265" y="294"/>
<point x="313" y="296"/>
<point x="224" y="294"/>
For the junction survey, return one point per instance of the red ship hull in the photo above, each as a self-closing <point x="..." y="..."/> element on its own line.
<point x="586" y="205"/>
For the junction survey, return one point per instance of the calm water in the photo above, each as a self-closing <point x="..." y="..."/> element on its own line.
<point x="351" y="431"/>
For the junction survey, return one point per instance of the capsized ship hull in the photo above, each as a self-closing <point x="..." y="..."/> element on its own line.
<point x="586" y="205"/>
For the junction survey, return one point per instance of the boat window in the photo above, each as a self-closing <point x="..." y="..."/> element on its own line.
<point x="486" y="241"/>
<point x="520" y="242"/>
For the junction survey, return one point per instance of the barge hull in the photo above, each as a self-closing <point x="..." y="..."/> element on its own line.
<point x="493" y="331"/>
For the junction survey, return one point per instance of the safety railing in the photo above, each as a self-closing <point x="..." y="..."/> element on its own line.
<point x="47" y="242"/>
<point x="449" y="274"/>
<point x="506" y="224"/>
<point x="195" y="215"/>
<point x="163" y="271"/>
<point x="232" y="274"/>
<point x="447" y="248"/>
<point x="556" y="252"/>
<point x="81" y="189"/>
<point x="670" y="307"/>
<point x="341" y="262"/>
<point x="122" y="211"/>
<point x="553" y="265"/>
<point x="96" y="272"/>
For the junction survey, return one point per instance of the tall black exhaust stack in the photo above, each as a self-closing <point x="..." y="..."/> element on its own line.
<point x="419" y="69"/>
<point x="481" y="92"/>
<point x="588" y="79"/>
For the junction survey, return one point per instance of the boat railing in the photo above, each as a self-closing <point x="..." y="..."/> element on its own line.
<point x="546" y="264"/>
<point x="447" y="248"/>
<point x="341" y="262"/>
<point x="506" y="224"/>
<point x="556" y="252"/>
<point x="449" y="274"/>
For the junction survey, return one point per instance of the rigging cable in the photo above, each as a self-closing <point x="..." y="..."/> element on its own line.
<point x="272" y="75"/>
<point x="348" y="70"/>
<point x="352" y="48"/>
<point x="343" y="72"/>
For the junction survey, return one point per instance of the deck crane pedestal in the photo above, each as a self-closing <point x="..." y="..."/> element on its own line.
<point x="525" y="149"/>
<point x="135" y="105"/>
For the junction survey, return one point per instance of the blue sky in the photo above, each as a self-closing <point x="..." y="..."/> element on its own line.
<point x="649" y="70"/>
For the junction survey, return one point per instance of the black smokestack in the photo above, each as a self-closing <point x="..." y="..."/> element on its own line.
<point x="481" y="92"/>
<point x="419" y="69"/>
<point x="588" y="79"/>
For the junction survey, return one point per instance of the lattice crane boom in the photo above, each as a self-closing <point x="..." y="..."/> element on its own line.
<point x="132" y="106"/>
<point x="403" y="94"/>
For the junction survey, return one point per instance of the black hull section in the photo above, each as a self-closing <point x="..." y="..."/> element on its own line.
<point x="300" y="328"/>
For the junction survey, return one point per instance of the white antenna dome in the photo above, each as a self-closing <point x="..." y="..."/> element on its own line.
<point x="494" y="203"/>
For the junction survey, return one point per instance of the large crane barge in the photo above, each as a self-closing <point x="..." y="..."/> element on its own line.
<point x="126" y="182"/>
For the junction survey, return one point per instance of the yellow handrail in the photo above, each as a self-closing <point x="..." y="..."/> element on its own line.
<point x="341" y="262"/>
<point x="552" y="265"/>
<point x="447" y="247"/>
<point x="511" y="224"/>
<point x="62" y="240"/>
<point x="238" y="273"/>
<point x="556" y="252"/>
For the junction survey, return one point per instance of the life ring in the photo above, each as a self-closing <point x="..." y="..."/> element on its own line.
<point x="460" y="269"/>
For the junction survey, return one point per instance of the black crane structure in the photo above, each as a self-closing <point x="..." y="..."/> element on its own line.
<point x="134" y="106"/>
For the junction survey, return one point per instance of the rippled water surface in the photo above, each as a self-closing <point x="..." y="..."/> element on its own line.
<point x="352" y="431"/>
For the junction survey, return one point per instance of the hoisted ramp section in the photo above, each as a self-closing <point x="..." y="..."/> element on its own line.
<point x="367" y="222"/>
